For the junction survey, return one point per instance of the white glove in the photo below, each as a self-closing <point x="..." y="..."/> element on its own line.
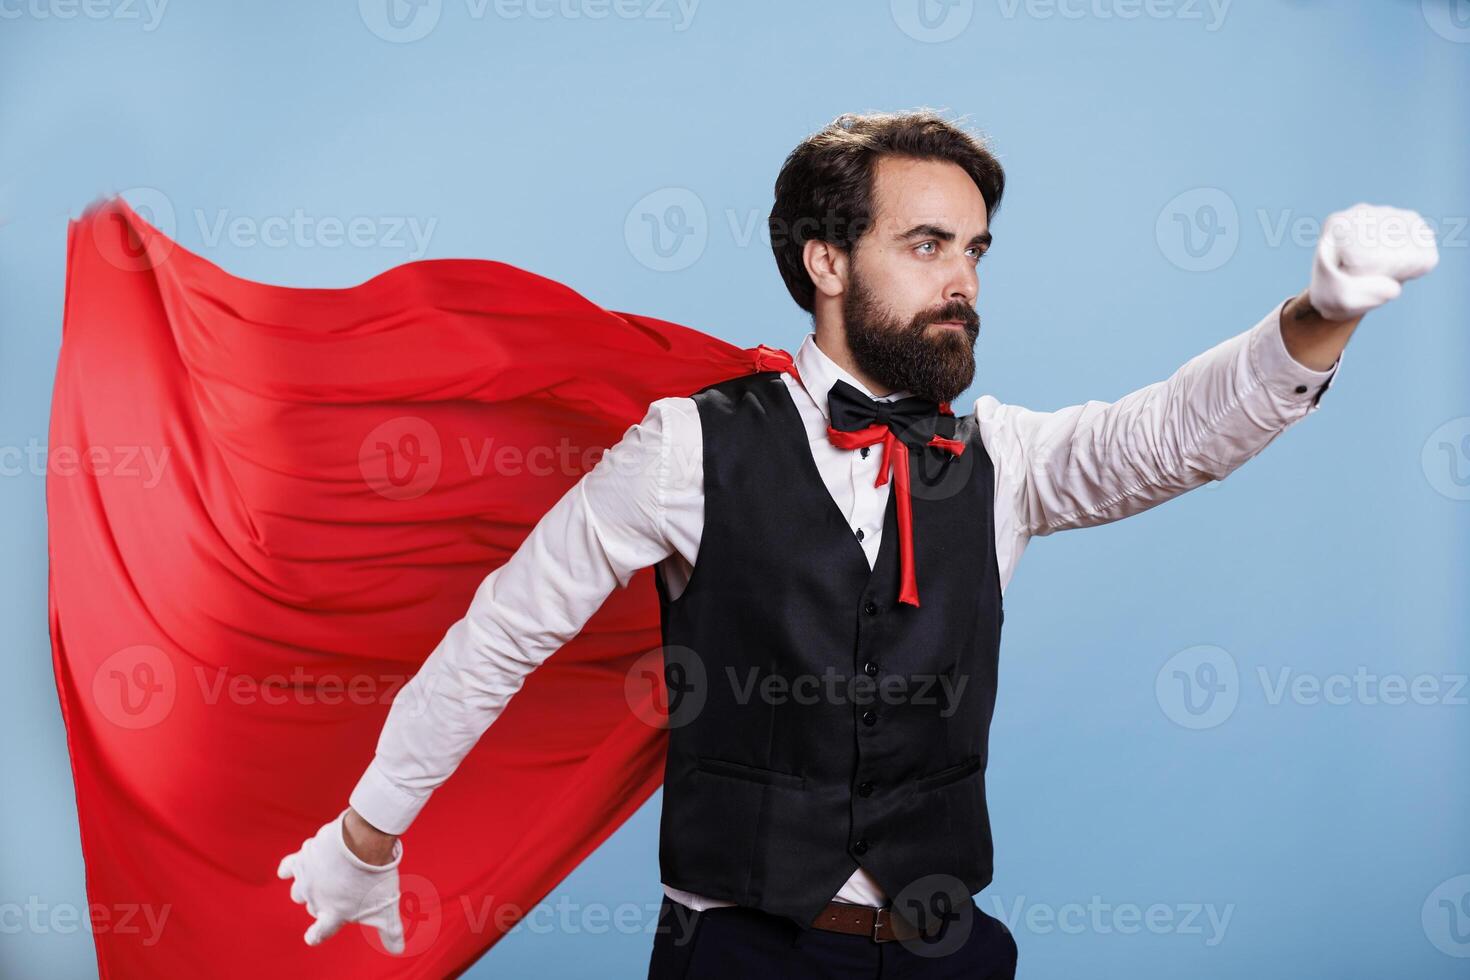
<point x="1363" y="257"/>
<point x="338" y="887"/>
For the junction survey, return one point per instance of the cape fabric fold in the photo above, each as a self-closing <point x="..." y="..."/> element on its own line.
<point x="265" y="506"/>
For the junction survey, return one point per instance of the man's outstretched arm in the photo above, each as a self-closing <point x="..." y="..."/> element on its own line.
<point x="604" y="528"/>
<point x="1101" y="461"/>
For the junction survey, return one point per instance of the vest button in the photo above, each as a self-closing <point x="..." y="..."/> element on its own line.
<point x="865" y="789"/>
<point x="871" y="608"/>
<point x="860" y="534"/>
<point x="860" y="847"/>
<point x="870" y="668"/>
<point x="870" y="717"/>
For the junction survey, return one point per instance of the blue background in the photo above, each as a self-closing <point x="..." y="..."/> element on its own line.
<point x="1320" y="829"/>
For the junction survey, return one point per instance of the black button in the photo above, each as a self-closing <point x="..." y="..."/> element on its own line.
<point x="870" y="668"/>
<point x="870" y="717"/>
<point x="871" y="608"/>
<point x="860" y="847"/>
<point x="864" y="451"/>
<point x="1301" y="389"/>
<point x="860" y="534"/>
<point x="865" y="789"/>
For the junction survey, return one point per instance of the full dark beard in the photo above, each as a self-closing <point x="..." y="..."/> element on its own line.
<point x="935" y="363"/>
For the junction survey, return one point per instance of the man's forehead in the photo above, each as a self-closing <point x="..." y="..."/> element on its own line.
<point x="910" y="192"/>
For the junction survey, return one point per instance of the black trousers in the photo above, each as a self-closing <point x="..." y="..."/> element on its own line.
<point x="739" y="943"/>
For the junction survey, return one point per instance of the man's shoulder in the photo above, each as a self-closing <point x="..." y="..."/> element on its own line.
<point x="990" y="414"/>
<point x="996" y="425"/>
<point x="739" y="383"/>
<point x="672" y="411"/>
<point x="729" y="394"/>
<point x="682" y="417"/>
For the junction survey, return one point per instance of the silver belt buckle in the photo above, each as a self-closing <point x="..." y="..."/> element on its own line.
<point x="878" y="917"/>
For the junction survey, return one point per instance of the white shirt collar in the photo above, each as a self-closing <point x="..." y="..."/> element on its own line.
<point x="819" y="372"/>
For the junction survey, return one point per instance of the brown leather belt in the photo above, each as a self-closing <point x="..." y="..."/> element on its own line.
<point x="878" y="924"/>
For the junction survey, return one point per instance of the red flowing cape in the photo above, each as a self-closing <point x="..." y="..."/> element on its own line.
<point x="265" y="507"/>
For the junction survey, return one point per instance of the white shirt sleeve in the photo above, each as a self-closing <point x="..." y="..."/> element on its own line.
<point x="608" y="525"/>
<point x="1101" y="461"/>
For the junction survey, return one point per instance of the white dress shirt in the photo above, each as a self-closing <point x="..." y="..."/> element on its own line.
<point x="643" y="504"/>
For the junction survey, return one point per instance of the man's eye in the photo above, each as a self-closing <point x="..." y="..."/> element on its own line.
<point x="923" y="244"/>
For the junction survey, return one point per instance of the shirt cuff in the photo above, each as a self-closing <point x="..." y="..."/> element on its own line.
<point x="1293" y="384"/>
<point x="382" y="804"/>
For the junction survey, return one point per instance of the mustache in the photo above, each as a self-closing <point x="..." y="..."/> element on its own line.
<point x="956" y="313"/>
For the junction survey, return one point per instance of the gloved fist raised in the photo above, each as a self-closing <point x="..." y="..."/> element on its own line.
<point x="338" y="887"/>
<point x="1364" y="256"/>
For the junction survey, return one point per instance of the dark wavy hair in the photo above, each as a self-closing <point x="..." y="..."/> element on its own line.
<point x="825" y="187"/>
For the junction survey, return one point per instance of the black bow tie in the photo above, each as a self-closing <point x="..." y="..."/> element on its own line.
<point x="914" y="420"/>
<point x="858" y="421"/>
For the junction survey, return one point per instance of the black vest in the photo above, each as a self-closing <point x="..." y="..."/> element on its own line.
<point x="815" y="724"/>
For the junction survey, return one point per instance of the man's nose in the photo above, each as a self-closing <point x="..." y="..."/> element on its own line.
<point x="964" y="286"/>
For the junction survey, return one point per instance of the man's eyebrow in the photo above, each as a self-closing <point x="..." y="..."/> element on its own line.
<point x="943" y="234"/>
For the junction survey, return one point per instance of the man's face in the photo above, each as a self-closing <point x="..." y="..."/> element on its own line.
<point x="909" y="307"/>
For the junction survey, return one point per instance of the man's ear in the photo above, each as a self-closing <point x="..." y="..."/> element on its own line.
<point x="827" y="265"/>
